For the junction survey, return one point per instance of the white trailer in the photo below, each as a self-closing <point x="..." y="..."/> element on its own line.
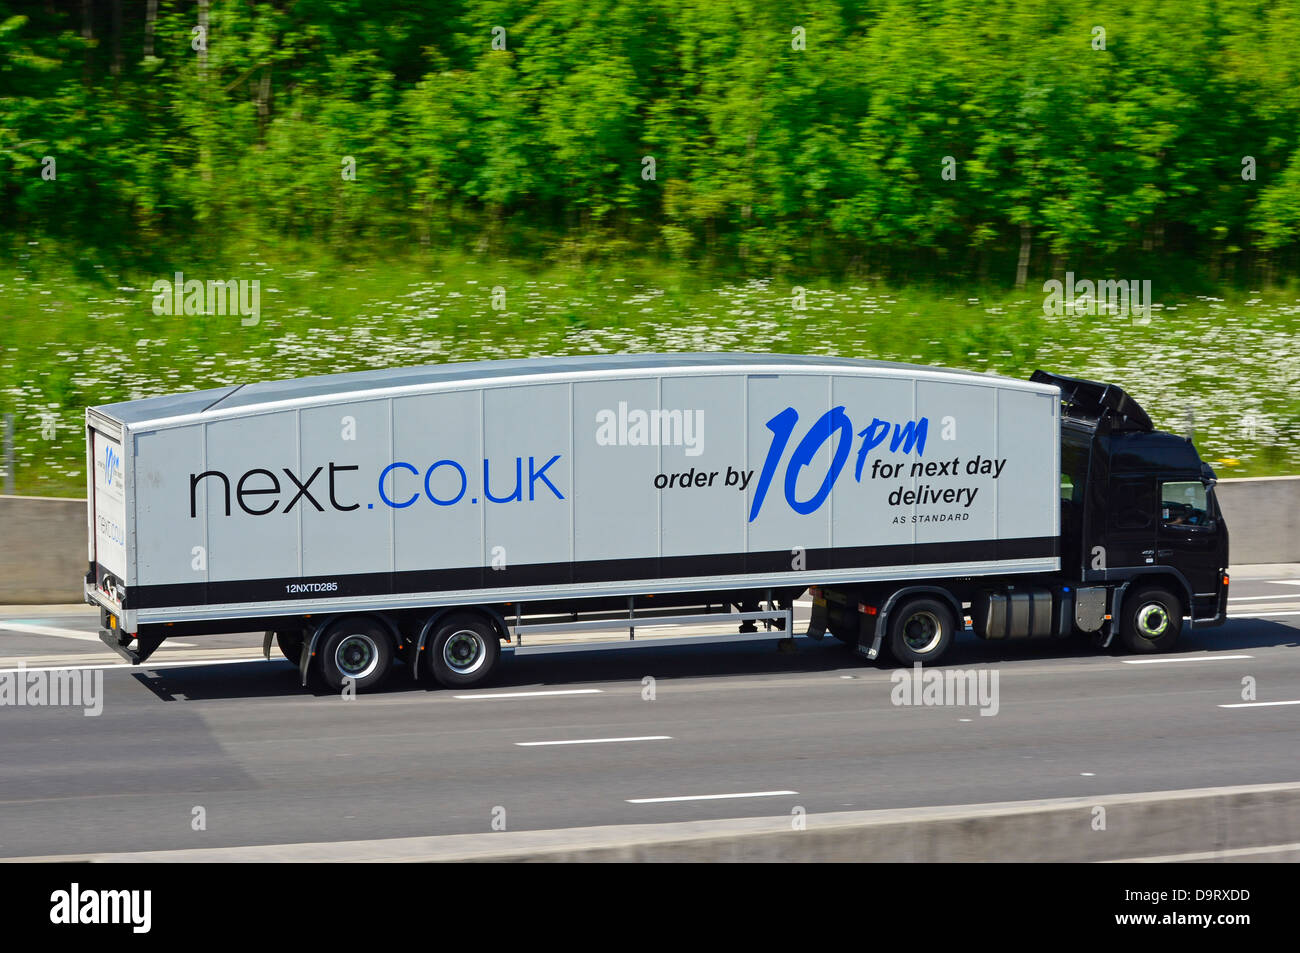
<point x="432" y="512"/>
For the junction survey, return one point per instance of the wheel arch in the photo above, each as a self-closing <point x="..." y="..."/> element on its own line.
<point x="898" y="596"/>
<point x="1168" y="576"/>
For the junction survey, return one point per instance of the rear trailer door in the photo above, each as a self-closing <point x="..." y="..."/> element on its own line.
<point x="108" y="516"/>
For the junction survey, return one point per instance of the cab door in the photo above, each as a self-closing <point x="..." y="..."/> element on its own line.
<point x="1187" y="538"/>
<point x="1131" y="522"/>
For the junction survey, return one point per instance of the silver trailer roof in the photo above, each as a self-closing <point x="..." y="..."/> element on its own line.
<point x="149" y="409"/>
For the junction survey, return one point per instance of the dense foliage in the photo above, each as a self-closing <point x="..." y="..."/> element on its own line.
<point x="780" y="134"/>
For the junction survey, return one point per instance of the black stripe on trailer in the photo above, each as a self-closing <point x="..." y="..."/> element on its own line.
<point x="649" y="570"/>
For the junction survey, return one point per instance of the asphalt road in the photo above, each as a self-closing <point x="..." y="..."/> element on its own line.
<point x="268" y="762"/>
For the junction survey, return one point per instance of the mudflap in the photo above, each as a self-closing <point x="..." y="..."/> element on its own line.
<point x="120" y="642"/>
<point x="817" y="622"/>
<point x="309" y="650"/>
<point x="870" y="635"/>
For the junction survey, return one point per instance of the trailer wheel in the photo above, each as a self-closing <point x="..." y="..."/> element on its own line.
<point x="356" y="649"/>
<point x="290" y="645"/>
<point x="1153" y="618"/>
<point x="464" y="650"/>
<point x="845" y="632"/>
<point x="844" y="637"/>
<point x="920" y="630"/>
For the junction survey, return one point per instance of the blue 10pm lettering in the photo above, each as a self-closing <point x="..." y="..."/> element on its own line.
<point x="830" y="424"/>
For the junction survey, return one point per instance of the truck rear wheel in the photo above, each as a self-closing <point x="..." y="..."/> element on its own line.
<point x="464" y="650"/>
<point x="1153" y="617"/>
<point x="920" y="630"/>
<point x="356" y="649"/>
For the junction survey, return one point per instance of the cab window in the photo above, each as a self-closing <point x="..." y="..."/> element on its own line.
<point x="1074" y="464"/>
<point x="1132" y="504"/>
<point x="1183" y="504"/>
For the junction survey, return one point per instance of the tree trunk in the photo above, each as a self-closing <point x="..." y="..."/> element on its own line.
<point x="205" y="150"/>
<point x="263" y="106"/>
<point x="87" y="33"/>
<point x="1022" y="266"/>
<point x="150" y="15"/>
<point x="203" y="53"/>
<point x="117" y="37"/>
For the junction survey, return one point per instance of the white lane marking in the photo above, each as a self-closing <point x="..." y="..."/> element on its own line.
<point x="31" y="628"/>
<point x="1285" y="582"/>
<point x="1276" y="597"/>
<point x="707" y="797"/>
<point x="1262" y="615"/>
<point x="1189" y="658"/>
<point x="592" y="741"/>
<point x="1208" y="855"/>
<point x="139" y="668"/>
<point x="567" y="691"/>
<point x="1258" y="704"/>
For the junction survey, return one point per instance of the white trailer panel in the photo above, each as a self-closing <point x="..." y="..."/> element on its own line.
<point x="572" y="477"/>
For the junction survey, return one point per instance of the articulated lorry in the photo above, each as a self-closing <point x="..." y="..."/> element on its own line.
<point x="428" y="515"/>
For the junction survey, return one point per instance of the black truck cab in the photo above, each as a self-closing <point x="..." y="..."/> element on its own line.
<point x="1137" y="505"/>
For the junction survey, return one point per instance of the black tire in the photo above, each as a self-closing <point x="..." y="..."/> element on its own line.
<point x="844" y="632"/>
<point x="920" y="630"/>
<point x="1152" y="620"/>
<point x="291" y="644"/>
<point x="844" y="637"/>
<point x="463" y="650"/>
<point x="356" y="648"/>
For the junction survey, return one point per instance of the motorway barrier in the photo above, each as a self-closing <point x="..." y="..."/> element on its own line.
<point x="43" y="550"/>
<point x="1247" y="822"/>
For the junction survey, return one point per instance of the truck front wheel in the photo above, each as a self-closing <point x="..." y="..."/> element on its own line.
<point x="1153" y="617"/>
<point x="464" y="650"/>
<point x="920" y="630"/>
<point x="356" y="650"/>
